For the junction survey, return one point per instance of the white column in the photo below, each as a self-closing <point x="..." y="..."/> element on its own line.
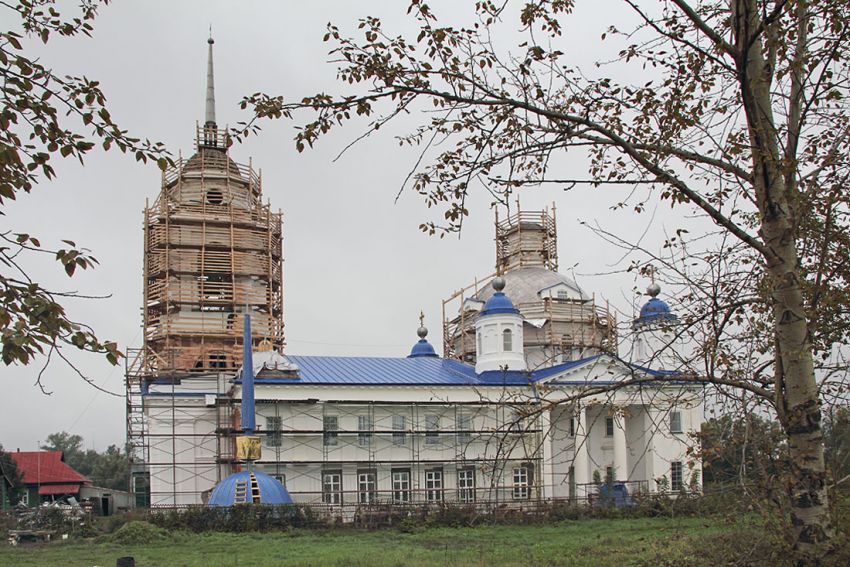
<point x="649" y="420"/>
<point x="547" y="480"/>
<point x="621" y="471"/>
<point x="581" y="460"/>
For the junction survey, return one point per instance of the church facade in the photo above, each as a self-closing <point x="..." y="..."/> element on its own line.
<point x="529" y="401"/>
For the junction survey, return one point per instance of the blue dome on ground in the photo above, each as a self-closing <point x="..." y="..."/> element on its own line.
<point x="422" y="348"/>
<point x="249" y="487"/>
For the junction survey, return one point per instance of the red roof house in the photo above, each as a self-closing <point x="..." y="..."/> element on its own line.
<point x="46" y="473"/>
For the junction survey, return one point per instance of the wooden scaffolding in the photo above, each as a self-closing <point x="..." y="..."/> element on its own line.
<point x="212" y="250"/>
<point x="565" y="328"/>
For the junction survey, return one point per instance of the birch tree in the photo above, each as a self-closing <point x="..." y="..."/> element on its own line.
<point x="740" y="111"/>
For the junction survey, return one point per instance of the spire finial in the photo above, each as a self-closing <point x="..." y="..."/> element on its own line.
<point x="653" y="289"/>
<point x="422" y="331"/>
<point x="209" y="116"/>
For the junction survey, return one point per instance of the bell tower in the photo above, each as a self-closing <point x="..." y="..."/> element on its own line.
<point x="213" y="253"/>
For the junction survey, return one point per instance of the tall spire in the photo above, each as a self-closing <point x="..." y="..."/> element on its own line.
<point x="209" y="117"/>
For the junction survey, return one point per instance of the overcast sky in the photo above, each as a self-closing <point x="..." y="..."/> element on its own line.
<point x="357" y="269"/>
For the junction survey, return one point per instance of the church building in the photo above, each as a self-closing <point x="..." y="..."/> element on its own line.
<point x="529" y="401"/>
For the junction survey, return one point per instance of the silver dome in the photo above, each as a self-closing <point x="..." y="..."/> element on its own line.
<point x="525" y="284"/>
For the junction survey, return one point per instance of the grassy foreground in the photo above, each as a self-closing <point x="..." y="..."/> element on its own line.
<point x="644" y="541"/>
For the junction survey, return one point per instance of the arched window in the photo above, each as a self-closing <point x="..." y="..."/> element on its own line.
<point x="507" y="340"/>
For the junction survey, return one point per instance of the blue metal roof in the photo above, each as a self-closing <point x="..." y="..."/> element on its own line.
<point x="271" y="490"/>
<point x="498" y="303"/>
<point x="416" y="371"/>
<point x="422" y="348"/>
<point x="360" y="370"/>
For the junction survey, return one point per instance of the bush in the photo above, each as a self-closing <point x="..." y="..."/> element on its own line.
<point x="239" y="518"/>
<point x="139" y="533"/>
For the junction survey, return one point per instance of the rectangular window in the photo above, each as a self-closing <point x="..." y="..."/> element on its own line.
<point x="466" y="485"/>
<point x="432" y="428"/>
<point x="364" y="430"/>
<point x="507" y="340"/>
<point x="609" y="475"/>
<point x="399" y="436"/>
<point x="676" y="483"/>
<point x="401" y="486"/>
<point x="520" y="483"/>
<point x="572" y="427"/>
<point x="434" y="485"/>
<point x="330" y="425"/>
<point x="609" y="426"/>
<point x="273" y="427"/>
<point x="563" y="294"/>
<point x="464" y="427"/>
<point x="367" y="487"/>
<point x="332" y="487"/>
<point x="675" y="422"/>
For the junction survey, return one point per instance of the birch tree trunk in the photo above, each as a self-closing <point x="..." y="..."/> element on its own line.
<point x="797" y="399"/>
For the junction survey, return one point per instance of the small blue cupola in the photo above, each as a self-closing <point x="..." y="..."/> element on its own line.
<point x="499" y="303"/>
<point x="655" y="343"/>
<point x="422" y="348"/>
<point x="498" y="334"/>
<point x="654" y="310"/>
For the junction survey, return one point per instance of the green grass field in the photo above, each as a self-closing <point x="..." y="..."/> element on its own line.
<point x="645" y="541"/>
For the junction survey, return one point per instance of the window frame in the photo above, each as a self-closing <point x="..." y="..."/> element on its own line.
<point x="521" y="483"/>
<point x="367" y="486"/>
<point x="399" y="427"/>
<point x="332" y="489"/>
<point x="677" y="470"/>
<point x="432" y="429"/>
<point x="466" y="485"/>
<point x="364" y="430"/>
<point x="434" y="485"/>
<point x="609" y="426"/>
<point x="400" y="486"/>
<point x="507" y="340"/>
<point x="463" y="427"/>
<point x="274" y="436"/>
<point x="330" y="435"/>
<point x="676" y="421"/>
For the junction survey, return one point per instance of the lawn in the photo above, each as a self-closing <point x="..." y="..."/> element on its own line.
<point x="644" y="541"/>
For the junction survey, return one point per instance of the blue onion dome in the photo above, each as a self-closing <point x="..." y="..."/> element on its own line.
<point x="655" y="309"/>
<point x="422" y="348"/>
<point x="249" y="487"/>
<point x="498" y="303"/>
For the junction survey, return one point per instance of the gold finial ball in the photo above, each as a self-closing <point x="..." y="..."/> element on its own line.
<point x="264" y="346"/>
